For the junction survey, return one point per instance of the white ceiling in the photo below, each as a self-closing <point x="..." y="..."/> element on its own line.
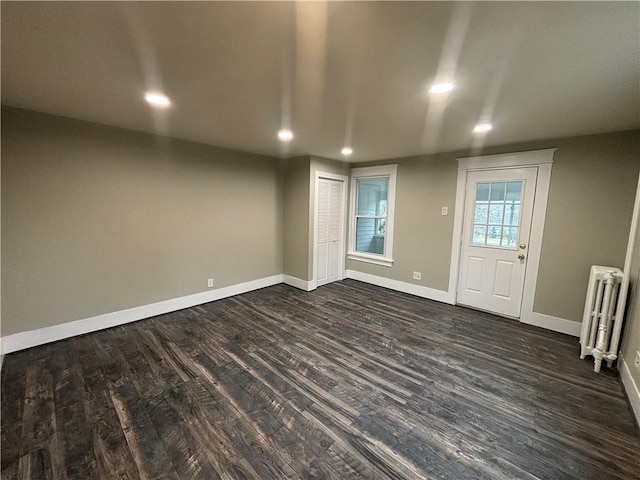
<point x="336" y="73"/>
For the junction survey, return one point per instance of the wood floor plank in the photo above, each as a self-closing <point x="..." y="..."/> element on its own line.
<point x="188" y="456"/>
<point x="350" y="381"/>
<point x="73" y="428"/>
<point x="194" y="405"/>
<point x="112" y="454"/>
<point x="148" y="451"/>
<point x="11" y="413"/>
<point x="39" y="444"/>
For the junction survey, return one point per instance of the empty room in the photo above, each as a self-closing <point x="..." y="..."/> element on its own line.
<point x="320" y="240"/>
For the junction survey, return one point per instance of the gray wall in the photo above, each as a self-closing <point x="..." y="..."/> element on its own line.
<point x="97" y="219"/>
<point x="588" y="216"/>
<point x="422" y="236"/>
<point x="593" y="188"/>
<point x="295" y="172"/>
<point x="299" y="204"/>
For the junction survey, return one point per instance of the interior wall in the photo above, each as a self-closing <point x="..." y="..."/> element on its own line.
<point x="295" y="183"/>
<point x="588" y="216"/>
<point x="86" y="206"/>
<point x="631" y="334"/>
<point x="422" y="236"/>
<point x="98" y="219"/>
<point x="299" y="210"/>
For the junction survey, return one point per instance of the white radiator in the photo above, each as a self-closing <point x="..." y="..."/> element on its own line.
<point x="601" y="315"/>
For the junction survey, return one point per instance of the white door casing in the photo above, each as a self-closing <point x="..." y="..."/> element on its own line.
<point x="497" y="221"/>
<point x="543" y="160"/>
<point x="329" y="228"/>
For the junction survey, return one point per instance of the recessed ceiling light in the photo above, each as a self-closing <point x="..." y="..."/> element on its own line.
<point x="157" y="99"/>
<point x="346" y="151"/>
<point x="442" y="87"/>
<point x="482" y="128"/>
<point x="285" y="135"/>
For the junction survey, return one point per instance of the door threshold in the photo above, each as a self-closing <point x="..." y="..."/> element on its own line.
<point x="497" y="314"/>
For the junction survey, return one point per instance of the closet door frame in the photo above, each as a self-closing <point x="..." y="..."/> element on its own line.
<point x="343" y="222"/>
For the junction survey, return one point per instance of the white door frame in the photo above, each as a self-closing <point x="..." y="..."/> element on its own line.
<point x="345" y="182"/>
<point x="543" y="159"/>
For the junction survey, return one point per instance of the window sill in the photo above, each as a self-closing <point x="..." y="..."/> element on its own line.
<point x="375" y="259"/>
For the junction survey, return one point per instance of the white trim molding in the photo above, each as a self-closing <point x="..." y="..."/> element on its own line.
<point x="626" y="273"/>
<point x="557" y="324"/>
<point x="366" y="258"/>
<point x="33" y="338"/>
<point x="404" y="287"/>
<point x="507" y="160"/>
<point x="306" y="285"/>
<point x="633" y="392"/>
<point x="543" y="160"/>
<point x="387" y="171"/>
<point x="549" y="322"/>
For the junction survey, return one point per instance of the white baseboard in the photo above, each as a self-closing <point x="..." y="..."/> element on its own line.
<point x="633" y="392"/>
<point x="23" y="340"/>
<point x="549" y="322"/>
<point x="538" y="319"/>
<point x="306" y="285"/>
<point x="418" y="290"/>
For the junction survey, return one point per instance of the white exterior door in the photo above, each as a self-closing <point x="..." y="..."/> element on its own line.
<point x="329" y="230"/>
<point x="495" y="239"/>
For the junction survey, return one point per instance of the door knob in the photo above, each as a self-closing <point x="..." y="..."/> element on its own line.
<point x="523" y="246"/>
<point x="521" y="256"/>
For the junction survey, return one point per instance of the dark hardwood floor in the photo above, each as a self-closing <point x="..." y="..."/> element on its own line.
<point x="348" y="381"/>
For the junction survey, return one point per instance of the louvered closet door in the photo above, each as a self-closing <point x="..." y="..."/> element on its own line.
<point x="329" y="243"/>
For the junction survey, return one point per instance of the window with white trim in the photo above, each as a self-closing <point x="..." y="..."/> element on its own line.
<point x="372" y="208"/>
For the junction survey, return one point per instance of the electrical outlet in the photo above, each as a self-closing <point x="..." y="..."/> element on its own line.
<point x="445" y="210"/>
<point x="417" y="275"/>
<point x="636" y="363"/>
<point x="210" y="282"/>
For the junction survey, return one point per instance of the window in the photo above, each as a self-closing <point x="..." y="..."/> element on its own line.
<point x="372" y="205"/>
<point x="496" y="214"/>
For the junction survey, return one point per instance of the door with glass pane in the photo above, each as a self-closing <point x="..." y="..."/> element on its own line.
<point x="495" y="239"/>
